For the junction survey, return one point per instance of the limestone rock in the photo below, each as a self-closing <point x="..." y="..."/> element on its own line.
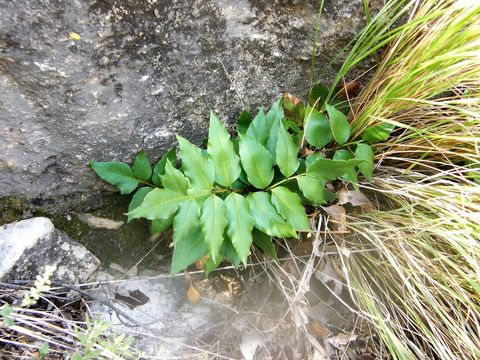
<point x="168" y="319"/>
<point x="137" y="72"/>
<point x="27" y="246"/>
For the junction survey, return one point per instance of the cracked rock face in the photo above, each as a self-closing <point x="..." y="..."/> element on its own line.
<point x="27" y="246"/>
<point x="136" y="72"/>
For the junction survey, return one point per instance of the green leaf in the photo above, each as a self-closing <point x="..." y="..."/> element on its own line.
<point x="243" y="122"/>
<point x="331" y="169"/>
<point x="158" y="226"/>
<point x="274" y="117"/>
<point x="44" y="349"/>
<point x="259" y="127"/>
<point x="318" y="132"/>
<point x="350" y="175"/>
<point x="289" y="205"/>
<point x="196" y="167"/>
<point x="142" y="169"/>
<point x="116" y="173"/>
<point x="230" y="253"/>
<point x="377" y="133"/>
<point x="159" y="169"/>
<point x="222" y="153"/>
<point x="256" y="161"/>
<point x="266" y="218"/>
<point x="264" y="242"/>
<point x="313" y="188"/>
<point x="137" y="199"/>
<point x="339" y="125"/>
<point x="240" y="224"/>
<point x="158" y="204"/>
<point x="187" y="252"/>
<point x="287" y="151"/>
<point x="175" y="180"/>
<point x="313" y="158"/>
<point x="319" y="91"/>
<point x="187" y="218"/>
<point x="213" y="222"/>
<point x="365" y="152"/>
<point x="212" y="264"/>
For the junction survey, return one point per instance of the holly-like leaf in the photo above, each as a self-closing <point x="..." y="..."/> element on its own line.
<point x="259" y="127"/>
<point x="364" y="152"/>
<point x="331" y="169"/>
<point x="274" y="117"/>
<point x="187" y="217"/>
<point x="256" y="161"/>
<point x="159" y="169"/>
<point x="377" y="133"/>
<point x="313" y="188"/>
<point x="137" y="199"/>
<point x="240" y="224"/>
<point x="266" y="218"/>
<point x="118" y="174"/>
<point x="350" y="175"/>
<point x="222" y="153"/>
<point x="286" y="152"/>
<point x="175" y="180"/>
<point x="142" y="169"/>
<point x="158" y="226"/>
<point x="196" y="167"/>
<point x="158" y="204"/>
<point x="243" y="122"/>
<point x="339" y="125"/>
<point x="289" y="205"/>
<point x="264" y="242"/>
<point x="317" y="128"/>
<point x="213" y="222"/>
<point x="313" y="158"/>
<point x="186" y="253"/>
<point x="230" y="253"/>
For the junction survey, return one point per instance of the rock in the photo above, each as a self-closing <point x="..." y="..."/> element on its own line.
<point x="27" y="246"/>
<point x="168" y="319"/>
<point x="99" y="80"/>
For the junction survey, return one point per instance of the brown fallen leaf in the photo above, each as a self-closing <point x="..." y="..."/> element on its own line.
<point x="356" y="198"/>
<point x="349" y="91"/>
<point x="199" y="264"/>
<point x="99" y="222"/>
<point x="338" y="217"/>
<point x="317" y="329"/>
<point x="192" y="294"/>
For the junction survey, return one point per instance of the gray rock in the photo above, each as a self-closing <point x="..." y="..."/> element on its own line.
<point x="169" y="321"/>
<point x="27" y="246"/>
<point x="142" y="71"/>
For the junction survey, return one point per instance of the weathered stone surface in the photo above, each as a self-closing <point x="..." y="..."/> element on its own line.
<point x="168" y="320"/>
<point x="27" y="246"/>
<point x="142" y="71"/>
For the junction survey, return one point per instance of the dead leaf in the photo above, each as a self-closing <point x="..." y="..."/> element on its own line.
<point x="292" y="98"/>
<point x="303" y="249"/>
<point x="341" y="340"/>
<point x="199" y="264"/>
<point x="250" y="343"/>
<point x="356" y="198"/>
<point x="133" y="299"/>
<point x="350" y="90"/>
<point x="317" y="329"/>
<point x="192" y="294"/>
<point x="338" y="217"/>
<point x="99" y="222"/>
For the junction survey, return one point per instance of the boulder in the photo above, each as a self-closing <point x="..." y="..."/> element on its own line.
<point x="99" y="80"/>
<point x="27" y="246"/>
<point x="168" y="321"/>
